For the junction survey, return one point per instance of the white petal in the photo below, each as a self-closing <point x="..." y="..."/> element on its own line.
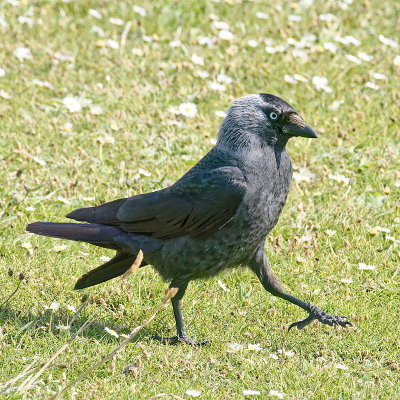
<point x="95" y="13"/>
<point x="261" y="15"/>
<point x="222" y="78"/>
<point x="221" y="25"/>
<point x="294" y="18"/>
<point x="327" y="17"/>
<point x="378" y="76"/>
<point x="277" y="394"/>
<point x="111" y="332"/>
<point x="364" y="56"/>
<point x="353" y="59"/>
<point x="341" y="366"/>
<point x="222" y="286"/>
<point x="98" y="30"/>
<point x="366" y="267"/>
<point x="22" y="53"/>
<point x="54" y="306"/>
<point x="139" y="10"/>
<point x="197" y="60"/>
<point x="250" y="392"/>
<point x="372" y="85"/>
<point x="221" y="114"/>
<point x="388" y="42"/>
<point x="226" y="35"/>
<point x="289" y="79"/>
<point x="252" y="43"/>
<point x="193" y="393"/>
<point x="112" y="43"/>
<point x="116" y="21"/>
<point x="217" y="87"/>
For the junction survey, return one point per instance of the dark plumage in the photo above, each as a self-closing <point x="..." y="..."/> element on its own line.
<point x="215" y="217"/>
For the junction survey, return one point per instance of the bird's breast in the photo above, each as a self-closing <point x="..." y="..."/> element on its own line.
<point x="265" y="199"/>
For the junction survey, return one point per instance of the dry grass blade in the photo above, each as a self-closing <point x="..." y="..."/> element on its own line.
<point x="157" y="396"/>
<point x="170" y="293"/>
<point x="125" y="35"/>
<point x="32" y="379"/>
<point x="79" y="310"/>
<point x="8" y="384"/>
<point x="135" y="266"/>
<point x="11" y="295"/>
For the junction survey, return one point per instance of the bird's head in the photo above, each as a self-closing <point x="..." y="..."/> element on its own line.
<point x="264" y="118"/>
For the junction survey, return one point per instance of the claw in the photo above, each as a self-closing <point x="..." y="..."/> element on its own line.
<point x="180" y="339"/>
<point x="323" y="317"/>
<point x="303" y="323"/>
<point x="166" y="340"/>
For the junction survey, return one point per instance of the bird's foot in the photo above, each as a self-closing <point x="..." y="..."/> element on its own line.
<point x="180" y="339"/>
<point x="323" y="317"/>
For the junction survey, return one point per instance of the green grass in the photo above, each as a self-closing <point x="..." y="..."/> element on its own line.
<point x="44" y="174"/>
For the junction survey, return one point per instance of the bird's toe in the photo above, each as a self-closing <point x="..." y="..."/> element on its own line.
<point x="180" y="339"/>
<point x="332" y="320"/>
<point x="323" y="317"/>
<point x="303" y="323"/>
<point x="166" y="340"/>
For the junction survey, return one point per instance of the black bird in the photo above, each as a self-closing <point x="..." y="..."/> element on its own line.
<point x="217" y="216"/>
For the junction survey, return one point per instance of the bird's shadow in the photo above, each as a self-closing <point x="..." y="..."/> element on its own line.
<point x="56" y="324"/>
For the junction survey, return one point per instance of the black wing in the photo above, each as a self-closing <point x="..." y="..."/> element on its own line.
<point x="197" y="205"/>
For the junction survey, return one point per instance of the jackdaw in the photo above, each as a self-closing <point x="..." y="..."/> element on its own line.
<point x="215" y="217"/>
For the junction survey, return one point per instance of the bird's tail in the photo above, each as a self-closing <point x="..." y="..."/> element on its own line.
<point x="111" y="269"/>
<point x="100" y="235"/>
<point x="126" y="244"/>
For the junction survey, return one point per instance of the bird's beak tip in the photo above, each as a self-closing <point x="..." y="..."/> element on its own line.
<point x="306" y="132"/>
<point x="314" y="135"/>
<point x="303" y="131"/>
<point x="294" y="125"/>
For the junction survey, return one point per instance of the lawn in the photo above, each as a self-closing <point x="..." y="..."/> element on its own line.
<point x="90" y="95"/>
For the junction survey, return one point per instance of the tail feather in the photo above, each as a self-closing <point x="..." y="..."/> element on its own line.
<point x="111" y="269"/>
<point x="100" y="235"/>
<point x="126" y="244"/>
<point x="104" y="214"/>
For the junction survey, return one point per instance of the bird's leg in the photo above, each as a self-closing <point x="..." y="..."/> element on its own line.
<point x="259" y="264"/>
<point x="180" y="327"/>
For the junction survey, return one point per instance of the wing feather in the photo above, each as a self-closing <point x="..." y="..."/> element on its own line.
<point x="197" y="205"/>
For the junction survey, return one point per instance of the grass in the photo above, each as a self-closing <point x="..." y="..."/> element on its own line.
<point x="127" y="147"/>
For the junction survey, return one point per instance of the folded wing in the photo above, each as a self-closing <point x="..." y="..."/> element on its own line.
<point x="197" y="205"/>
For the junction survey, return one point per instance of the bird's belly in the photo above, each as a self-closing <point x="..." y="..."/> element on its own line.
<point x="187" y="258"/>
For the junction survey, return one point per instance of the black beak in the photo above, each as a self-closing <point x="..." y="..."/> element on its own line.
<point x="294" y="125"/>
<point x="296" y="130"/>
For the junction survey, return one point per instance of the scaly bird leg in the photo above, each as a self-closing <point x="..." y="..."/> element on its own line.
<point x="180" y="327"/>
<point x="259" y="264"/>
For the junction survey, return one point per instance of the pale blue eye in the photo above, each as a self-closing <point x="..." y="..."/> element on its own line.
<point x="273" y="116"/>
